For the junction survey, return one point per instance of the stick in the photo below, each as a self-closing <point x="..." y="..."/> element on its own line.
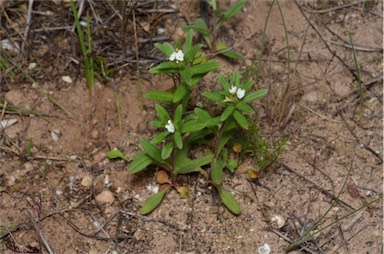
<point x="41" y="235"/>
<point x="337" y="7"/>
<point x="326" y="193"/>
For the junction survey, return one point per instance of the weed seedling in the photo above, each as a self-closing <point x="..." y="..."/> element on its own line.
<point x="211" y="36"/>
<point x="86" y="48"/>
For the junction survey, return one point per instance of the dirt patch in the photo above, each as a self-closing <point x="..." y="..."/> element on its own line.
<point x="56" y="183"/>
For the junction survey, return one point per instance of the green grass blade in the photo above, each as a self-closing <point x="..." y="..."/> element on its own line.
<point x="361" y="89"/>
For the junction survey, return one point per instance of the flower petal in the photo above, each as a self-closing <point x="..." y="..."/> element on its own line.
<point x="240" y="93"/>
<point x="180" y="56"/>
<point x="172" y="57"/>
<point x="232" y="90"/>
<point x="169" y="126"/>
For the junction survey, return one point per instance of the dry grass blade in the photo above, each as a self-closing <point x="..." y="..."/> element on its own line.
<point x="41" y="235"/>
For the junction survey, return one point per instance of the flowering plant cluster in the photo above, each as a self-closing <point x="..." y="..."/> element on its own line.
<point x="180" y="131"/>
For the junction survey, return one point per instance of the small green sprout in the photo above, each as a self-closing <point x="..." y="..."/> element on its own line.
<point x="211" y="38"/>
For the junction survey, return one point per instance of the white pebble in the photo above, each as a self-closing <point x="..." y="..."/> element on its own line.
<point x="264" y="249"/>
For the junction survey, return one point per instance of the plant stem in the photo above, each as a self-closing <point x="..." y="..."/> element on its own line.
<point x="361" y="90"/>
<point x="287" y="90"/>
<point x="218" y="141"/>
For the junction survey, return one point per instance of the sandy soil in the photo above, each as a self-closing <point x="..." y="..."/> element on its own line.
<point x="55" y="187"/>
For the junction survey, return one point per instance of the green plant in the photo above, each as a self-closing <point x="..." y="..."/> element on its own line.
<point x="361" y="87"/>
<point x="181" y="131"/>
<point x="266" y="153"/>
<point x="211" y="38"/>
<point x="86" y="48"/>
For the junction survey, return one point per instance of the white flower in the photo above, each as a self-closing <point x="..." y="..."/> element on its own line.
<point x="240" y="93"/>
<point x="233" y="90"/>
<point x="152" y="188"/>
<point x="264" y="249"/>
<point x="172" y="57"/>
<point x="178" y="55"/>
<point x="169" y="126"/>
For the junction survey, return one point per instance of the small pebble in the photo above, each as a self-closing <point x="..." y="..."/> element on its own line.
<point x="86" y="181"/>
<point x="67" y="79"/>
<point x="105" y="197"/>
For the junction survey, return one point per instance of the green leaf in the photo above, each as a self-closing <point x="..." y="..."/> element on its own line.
<point x="166" y="150"/>
<point x="158" y="124"/>
<point x="199" y="58"/>
<point x="188" y="41"/>
<point x="180" y="92"/>
<point x="187" y="76"/>
<point x="245" y="107"/>
<point x="255" y="95"/>
<point x="227" y="135"/>
<point x="240" y="119"/>
<point x="141" y="162"/>
<point x="190" y="55"/>
<point x="217" y="170"/>
<point x="202" y="114"/>
<point x="196" y="79"/>
<point x="235" y="79"/>
<point x="235" y="8"/>
<point x="151" y="203"/>
<point x="184" y="165"/>
<point x="199" y="137"/>
<point x="214" y="96"/>
<point x="229" y="127"/>
<point x="151" y="150"/>
<point x="229" y="200"/>
<point x="204" y="160"/>
<point x="166" y="67"/>
<point x="166" y="48"/>
<point x="201" y="27"/>
<point x="212" y="3"/>
<point x="116" y="154"/>
<point x="231" y="165"/>
<point x="223" y="49"/>
<point x="224" y="82"/>
<point x="177" y="116"/>
<point x="30" y="142"/>
<point x="160" y="137"/>
<point x="192" y="126"/>
<point x="214" y="121"/>
<point x="248" y="85"/>
<point x="227" y="113"/>
<point x="203" y="68"/>
<point x="159" y="96"/>
<point x="178" y="140"/>
<point x="188" y="169"/>
<point x="162" y="113"/>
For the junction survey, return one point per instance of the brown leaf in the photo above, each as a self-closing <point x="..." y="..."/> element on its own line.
<point x="353" y="191"/>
